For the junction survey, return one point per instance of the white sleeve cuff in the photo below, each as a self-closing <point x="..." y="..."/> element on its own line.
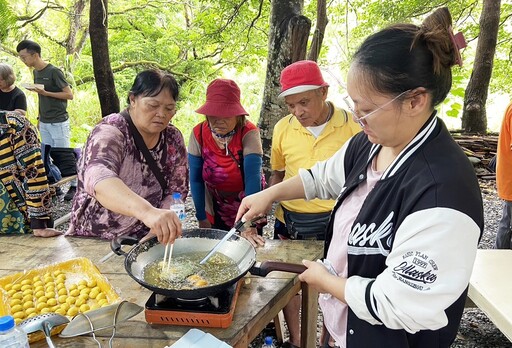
<point x="355" y="296"/>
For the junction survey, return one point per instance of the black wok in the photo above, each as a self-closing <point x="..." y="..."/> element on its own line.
<point x="196" y="240"/>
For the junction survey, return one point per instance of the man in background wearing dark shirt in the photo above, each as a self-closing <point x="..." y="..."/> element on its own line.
<point x="53" y="120"/>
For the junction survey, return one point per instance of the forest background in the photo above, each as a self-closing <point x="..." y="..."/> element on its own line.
<point x="199" y="40"/>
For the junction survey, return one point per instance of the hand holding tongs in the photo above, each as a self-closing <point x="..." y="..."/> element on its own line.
<point x="240" y="226"/>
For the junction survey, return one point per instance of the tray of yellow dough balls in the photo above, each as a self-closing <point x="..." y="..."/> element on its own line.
<point x="67" y="288"/>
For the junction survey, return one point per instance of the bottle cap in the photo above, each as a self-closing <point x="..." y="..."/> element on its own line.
<point x="268" y="340"/>
<point x="6" y="323"/>
<point x="176" y="195"/>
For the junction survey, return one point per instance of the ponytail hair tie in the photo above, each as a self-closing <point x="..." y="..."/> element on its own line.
<point x="459" y="42"/>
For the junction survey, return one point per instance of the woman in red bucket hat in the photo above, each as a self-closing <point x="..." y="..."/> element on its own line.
<point x="225" y="158"/>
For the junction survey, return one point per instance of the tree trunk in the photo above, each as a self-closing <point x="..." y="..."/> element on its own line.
<point x="474" y="116"/>
<point x="75" y="26"/>
<point x="288" y="38"/>
<point x="318" y="36"/>
<point x="98" y="29"/>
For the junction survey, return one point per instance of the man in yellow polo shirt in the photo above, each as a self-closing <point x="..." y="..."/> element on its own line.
<point x="314" y="131"/>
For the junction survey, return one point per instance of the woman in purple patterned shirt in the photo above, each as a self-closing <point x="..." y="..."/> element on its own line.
<point x="118" y="193"/>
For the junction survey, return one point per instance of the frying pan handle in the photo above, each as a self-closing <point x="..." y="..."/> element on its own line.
<point x="268" y="266"/>
<point x="118" y="242"/>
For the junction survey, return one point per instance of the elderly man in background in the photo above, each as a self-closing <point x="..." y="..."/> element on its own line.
<point x="314" y="131"/>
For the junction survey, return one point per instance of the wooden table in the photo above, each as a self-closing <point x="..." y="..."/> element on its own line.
<point x="490" y="287"/>
<point x="259" y="301"/>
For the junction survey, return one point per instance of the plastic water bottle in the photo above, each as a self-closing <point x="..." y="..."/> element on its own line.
<point x="178" y="206"/>
<point x="268" y="343"/>
<point x="10" y="335"/>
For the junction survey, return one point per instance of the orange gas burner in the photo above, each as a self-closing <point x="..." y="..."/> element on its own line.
<point x="212" y="311"/>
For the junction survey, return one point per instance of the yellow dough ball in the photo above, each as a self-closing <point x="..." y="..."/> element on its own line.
<point x="72" y="311"/>
<point x="75" y="292"/>
<point x="73" y="287"/>
<point x="26" y="282"/>
<point x="38" y="283"/>
<point x="93" y="294"/>
<point x="26" y="287"/>
<point x="11" y="292"/>
<point x="85" y="297"/>
<point x="49" y="294"/>
<point x="16" y="308"/>
<point x="60" y="311"/>
<point x="61" y="286"/>
<point x="8" y="287"/>
<point x="31" y="315"/>
<point x="79" y="302"/>
<point x="27" y="292"/>
<point x="17" y="287"/>
<point x="82" y="282"/>
<point x="62" y="298"/>
<point x="42" y="299"/>
<point x="85" y="291"/>
<point x="41" y="305"/>
<point x="45" y="310"/>
<point x="70" y="300"/>
<point x="39" y="293"/>
<point x="84" y="308"/>
<point x="101" y="296"/>
<point x="28" y="297"/>
<point x="64" y="307"/>
<point x="18" y="321"/>
<point x="19" y="315"/>
<point x="29" y="311"/>
<point x="14" y="302"/>
<point x="91" y="283"/>
<point x="62" y="291"/>
<point x="18" y="295"/>
<point x="51" y="302"/>
<point x="28" y="304"/>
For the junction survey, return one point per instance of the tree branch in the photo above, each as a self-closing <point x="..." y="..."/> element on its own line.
<point x="255" y="19"/>
<point x="143" y="63"/>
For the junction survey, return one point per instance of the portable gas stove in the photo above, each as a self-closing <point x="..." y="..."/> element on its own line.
<point x="211" y="311"/>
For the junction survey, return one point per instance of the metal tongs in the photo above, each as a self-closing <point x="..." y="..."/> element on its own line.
<point x="240" y="226"/>
<point x="100" y="319"/>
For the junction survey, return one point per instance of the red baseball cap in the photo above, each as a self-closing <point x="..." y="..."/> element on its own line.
<point x="222" y="100"/>
<point x="301" y="76"/>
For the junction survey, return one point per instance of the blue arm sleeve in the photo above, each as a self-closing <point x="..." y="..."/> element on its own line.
<point x="197" y="185"/>
<point x="252" y="173"/>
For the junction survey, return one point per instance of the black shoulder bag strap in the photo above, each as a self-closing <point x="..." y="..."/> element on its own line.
<point x="141" y="146"/>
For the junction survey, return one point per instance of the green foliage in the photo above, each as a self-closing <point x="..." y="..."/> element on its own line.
<point x="7" y="19"/>
<point x="199" y="40"/>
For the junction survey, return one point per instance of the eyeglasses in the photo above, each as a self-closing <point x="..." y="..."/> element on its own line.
<point x="359" y="119"/>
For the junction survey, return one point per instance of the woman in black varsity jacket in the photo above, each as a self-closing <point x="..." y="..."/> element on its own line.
<point x="403" y="235"/>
